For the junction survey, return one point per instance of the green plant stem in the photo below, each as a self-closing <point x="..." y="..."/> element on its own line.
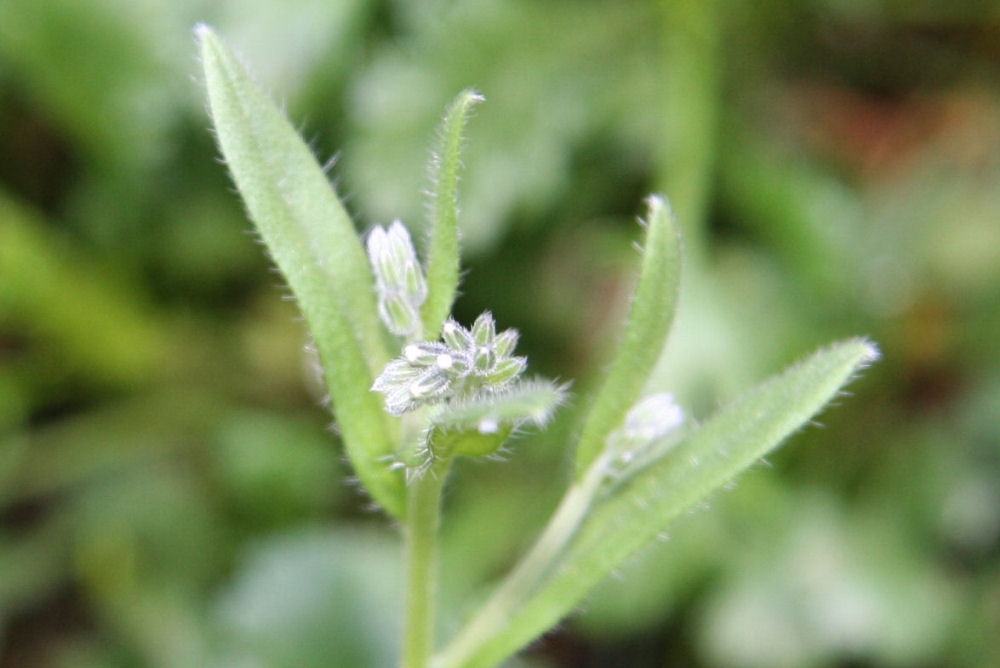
<point x="529" y="571"/>
<point x="423" y="516"/>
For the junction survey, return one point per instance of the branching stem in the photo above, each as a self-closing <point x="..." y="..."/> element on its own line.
<point x="494" y="614"/>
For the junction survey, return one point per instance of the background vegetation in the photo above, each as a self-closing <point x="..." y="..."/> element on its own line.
<point x="170" y="494"/>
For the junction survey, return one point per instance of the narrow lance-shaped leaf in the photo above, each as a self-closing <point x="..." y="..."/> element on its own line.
<point x="443" y="261"/>
<point x="643" y="506"/>
<point x="646" y="332"/>
<point x="313" y="242"/>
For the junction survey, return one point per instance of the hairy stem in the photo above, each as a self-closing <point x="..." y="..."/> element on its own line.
<point x="529" y="571"/>
<point x="423" y="517"/>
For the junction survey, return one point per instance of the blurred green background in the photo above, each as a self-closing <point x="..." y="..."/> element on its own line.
<point x="171" y="494"/>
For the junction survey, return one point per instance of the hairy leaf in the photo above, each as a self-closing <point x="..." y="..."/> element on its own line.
<point x="645" y="333"/>
<point x="645" y="504"/>
<point x="443" y="261"/>
<point x="314" y="243"/>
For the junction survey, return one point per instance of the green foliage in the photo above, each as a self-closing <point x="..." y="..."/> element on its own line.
<point x="171" y="493"/>
<point x="469" y="380"/>
<point x="653" y="309"/>
<point x="480" y="425"/>
<point x="644" y="504"/>
<point x="442" y="260"/>
<point x="314" y="243"/>
<point x="345" y="613"/>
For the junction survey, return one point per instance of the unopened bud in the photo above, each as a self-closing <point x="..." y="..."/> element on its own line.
<point x="653" y="417"/>
<point x="484" y="329"/>
<point x="399" y="279"/>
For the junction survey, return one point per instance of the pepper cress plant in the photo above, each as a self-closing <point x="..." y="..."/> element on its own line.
<point x="412" y="388"/>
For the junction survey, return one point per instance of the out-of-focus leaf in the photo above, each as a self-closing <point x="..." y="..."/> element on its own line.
<point x="92" y="321"/>
<point x="313" y="598"/>
<point x="145" y="545"/>
<point x="109" y="73"/>
<point x="33" y="564"/>
<point x="276" y="469"/>
<point x="546" y="69"/>
<point x="689" y="109"/>
<point x="148" y="529"/>
<point x="824" y="584"/>
<point x="807" y="216"/>
<point x="108" y="442"/>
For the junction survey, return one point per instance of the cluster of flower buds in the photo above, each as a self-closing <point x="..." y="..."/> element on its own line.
<point x="466" y="362"/>
<point x="399" y="279"/>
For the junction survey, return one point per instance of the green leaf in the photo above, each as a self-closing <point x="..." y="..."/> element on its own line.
<point x="314" y="243"/>
<point x="649" y="322"/>
<point x="118" y="111"/>
<point x="643" y="506"/>
<point x="64" y="298"/>
<point x="442" y="261"/>
<point x="313" y="597"/>
<point x="479" y="426"/>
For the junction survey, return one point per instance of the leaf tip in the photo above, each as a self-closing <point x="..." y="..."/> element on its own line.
<point x="658" y="205"/>
<point x="203" y="31"/>
<point x="871" y="353"/>
<point x="657" y="201"/>
<point x="659" y="213"/>
<point x="864" y="351"/>
<point x="472" y="96"/>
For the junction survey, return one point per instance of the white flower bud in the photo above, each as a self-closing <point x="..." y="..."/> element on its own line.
<point x="646" y="424"/>
<point x="653" y="417"/>
<point x="465" y="363"/>
<point x="399" y="279"/>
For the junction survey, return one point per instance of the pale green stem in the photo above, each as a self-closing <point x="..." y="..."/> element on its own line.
<point x="423" y="516"/>
<point x="529" y="571"/>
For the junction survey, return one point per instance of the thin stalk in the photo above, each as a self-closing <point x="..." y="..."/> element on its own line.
<point x="423" y="516"/>
<point x="498" y="610"/>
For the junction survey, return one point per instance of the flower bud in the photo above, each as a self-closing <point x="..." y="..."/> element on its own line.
<point x="399" y="279"/>
<point x="648" y="421"/>
<point x="484" y="329"/>
<point x="506" y="370"/>
<point x="456" y="336"/>
<point x="653" y="417"/>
